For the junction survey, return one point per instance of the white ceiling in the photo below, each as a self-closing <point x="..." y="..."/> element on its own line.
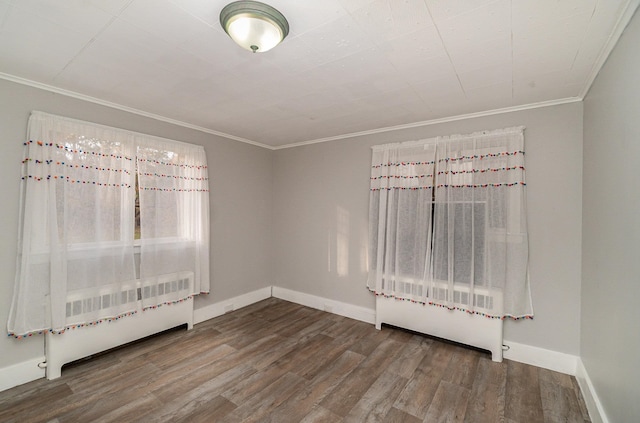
<point x="347" y="66"/>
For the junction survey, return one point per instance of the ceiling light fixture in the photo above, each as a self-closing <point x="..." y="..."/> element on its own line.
<point x="254" y="26"/>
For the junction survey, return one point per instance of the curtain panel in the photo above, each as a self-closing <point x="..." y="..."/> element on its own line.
<point x="174" y="218"/>
<point x="78" y="263"/>
<point x="447" y="223"/>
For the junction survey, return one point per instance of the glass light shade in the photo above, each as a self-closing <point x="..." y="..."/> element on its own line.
<point x="254" y="26"/>
<point x="254" y="33"/>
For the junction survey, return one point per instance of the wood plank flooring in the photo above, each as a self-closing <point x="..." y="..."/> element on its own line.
<point x="276" y="361"/>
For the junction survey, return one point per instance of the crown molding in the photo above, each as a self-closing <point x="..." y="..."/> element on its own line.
<point x="436" y="121"/>
<point x="128" y="109"/>
<point x="614" y="37"/>
<point x="132" y="110"/>
<point x="139" y="112"/>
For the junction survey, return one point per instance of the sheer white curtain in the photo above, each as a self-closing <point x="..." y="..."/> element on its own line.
<point x="400" y="219"/>
<point x="174" y="220"/>
<point x="76" y="261"/>
<point x="448" y="223"/>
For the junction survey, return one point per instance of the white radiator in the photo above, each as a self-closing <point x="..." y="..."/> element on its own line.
<point x="82" y="342"/>
<point x="469" y="329"/>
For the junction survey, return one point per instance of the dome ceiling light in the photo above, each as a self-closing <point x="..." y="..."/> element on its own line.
<point x="254" y="26"/>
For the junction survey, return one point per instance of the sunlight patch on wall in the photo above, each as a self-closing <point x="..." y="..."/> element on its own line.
<point x="364" y="248"/>
<point x="342" y="241"/>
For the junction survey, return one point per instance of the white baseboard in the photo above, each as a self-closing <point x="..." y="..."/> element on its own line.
<point x="591" y="399"/>
<point x="224" y="306"/>
<point x="28" y="371"/>
<point x="20" y="373"/>
<point x="540" y="357"/>
<point x="565" y="363"/>
<point x="363" y="314"/>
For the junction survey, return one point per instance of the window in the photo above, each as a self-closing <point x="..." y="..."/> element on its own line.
<point x="89" y="191"/>
<point x="447" y="223"/>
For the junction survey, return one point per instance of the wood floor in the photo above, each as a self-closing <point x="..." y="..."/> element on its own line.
<point x="276" y="361"/>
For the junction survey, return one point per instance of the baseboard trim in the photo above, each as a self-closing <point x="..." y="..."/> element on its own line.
<point x="225" y="306"/>
<point x="540" y="357"/>
<point x="591" y="399"/>
<point x="28" y="371"/>
<point x="351" y="311"/>
<point x="20" y="373"/>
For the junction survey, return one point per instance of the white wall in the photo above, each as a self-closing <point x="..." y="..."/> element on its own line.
<point x="240" y="185"/>
<point x="611" y="231"/>
<point x="321" y="204"/>
<point x="297" y="218"/>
